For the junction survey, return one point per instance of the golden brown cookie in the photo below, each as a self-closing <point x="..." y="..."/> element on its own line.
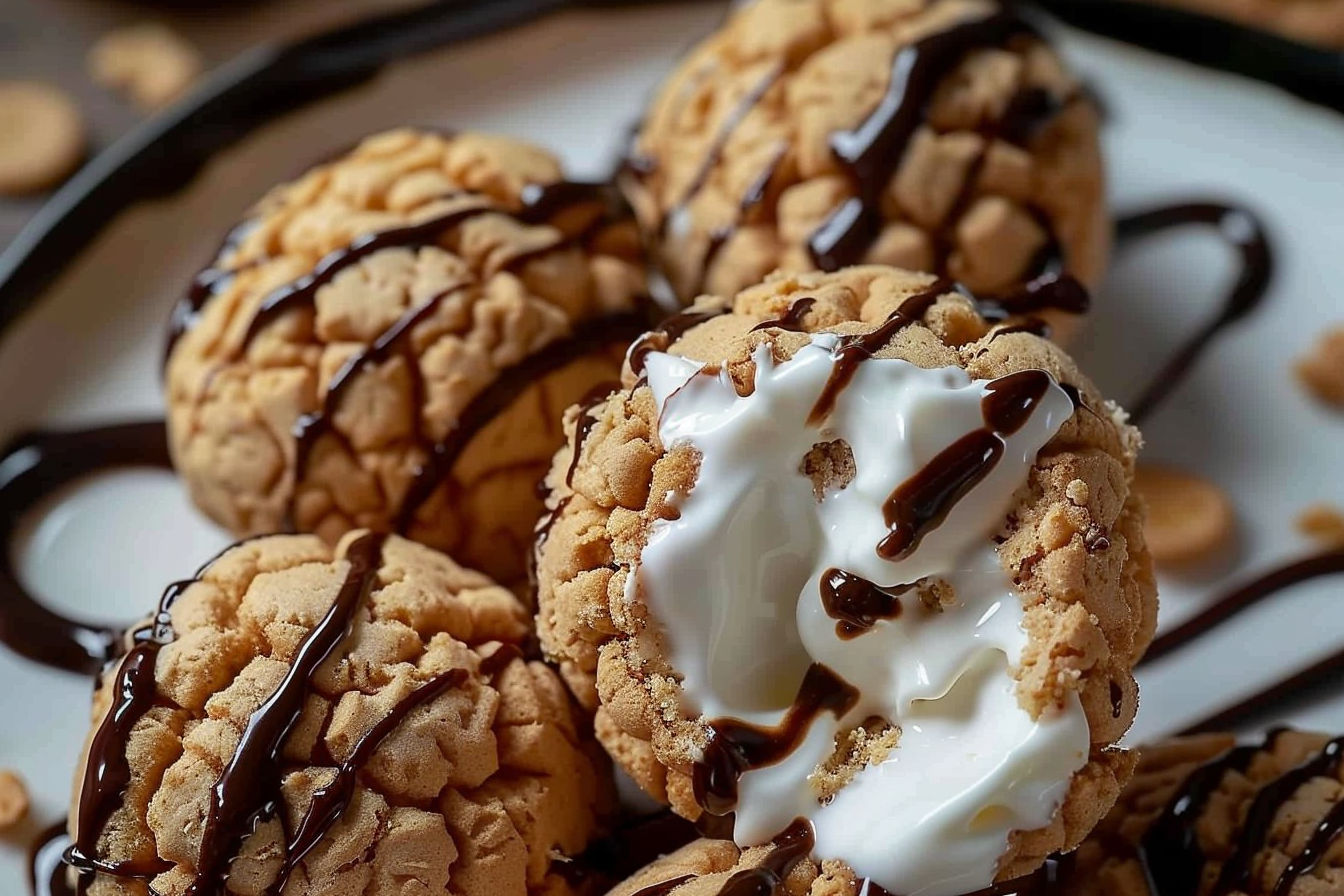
<point x="149" y="62"/>
<point x="680" y="567"/>
<point x="388" y="342"/>
<point x="359" y="719"/>
<point x="1321" y="370"/>
<point x="785" y="141"/>
<point x="1205" y="815"/>
<point x="41" y="136"/>
<point x="1189" y="519"/>
<point x="13" y="799"/>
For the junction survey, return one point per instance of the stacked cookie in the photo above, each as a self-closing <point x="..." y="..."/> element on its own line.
<point x="841" y="561"/>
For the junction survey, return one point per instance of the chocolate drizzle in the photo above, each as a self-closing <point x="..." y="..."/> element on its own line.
<point x="1244" y="597"/>
<point x="923" y="501"/>
<point x="668" y="332"/>
<point x="33" y="467"/>
<point x="736" y="747"/>
<point x="1170" y="850"/>
<point x="856" y="603"/>
<point x="786" y="851"/>
<point x="330" y="800"/>
<point x="857" y="349"/>
<point x="584" y="423"/>
<point x="47" y="873"/>
<point x="873" y="150"/>
<point x="1243" y="232"/>
<point x="791" y="319"/>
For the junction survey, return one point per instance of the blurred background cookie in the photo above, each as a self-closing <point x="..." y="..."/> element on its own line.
<point x="940" y="135"/>
<point x="41" y="136"/>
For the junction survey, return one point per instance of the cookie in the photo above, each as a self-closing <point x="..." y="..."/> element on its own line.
<point x="1189" y="519"/>
<point x="1321" y="370"/>
<point x="388" y="342"/>
<point x="1205" y="815"/>
<point x="842" y="550"/>
<point x="361" y="719"/>
<point x="13" y="799"/>
<point x="149" y="62"/>
<point x="930" y="134"/>
<point x="41" y="136"/>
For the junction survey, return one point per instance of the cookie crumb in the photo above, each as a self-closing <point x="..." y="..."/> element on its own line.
<point x="149" y="62"/>
<point x="1322" y="369"/>
<point x="1078" y="493"/>
<point x="13" y="799"/>
<point x="1324" y="523"/>
<point x="41" y="136"/>
<point x="1189" y="518"/>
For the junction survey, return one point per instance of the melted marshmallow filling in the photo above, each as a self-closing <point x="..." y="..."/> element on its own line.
<point x="734" y="582"/>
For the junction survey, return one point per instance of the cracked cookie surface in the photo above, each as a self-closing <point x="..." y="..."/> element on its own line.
<point x="740" y="165"/>
<point x="420" y="309"/>
<point x="464" y="766"/>
<point x="1264" y="818"/>
<point x="1071" y="545"/>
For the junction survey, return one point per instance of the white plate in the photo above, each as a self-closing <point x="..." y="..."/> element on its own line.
<point x="88" y="352"/>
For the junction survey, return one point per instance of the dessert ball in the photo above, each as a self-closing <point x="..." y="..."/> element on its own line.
<point x="842" y="551"/>
<point x="388" y="341"/>
<point x="940" y="135"/>
<point x="1206" y="815"/>
<point x="302" y="719"/>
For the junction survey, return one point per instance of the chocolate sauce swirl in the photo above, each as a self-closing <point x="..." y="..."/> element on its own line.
<point x="33" y="467"/>
<point x="736" y="747"/>
<point x="1244" y="233"/>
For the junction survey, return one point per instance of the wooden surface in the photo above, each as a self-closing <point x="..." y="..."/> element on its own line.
<point x="47" y="40"/>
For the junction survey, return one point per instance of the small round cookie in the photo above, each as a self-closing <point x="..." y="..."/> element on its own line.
<point x="841" y="550"/>
<point x="388" y="342"/>
<point x="310" y="720"/>
<point x="1204" y="815"/>
<point x="41" y="136"/>
<point x="936" y="135"/>
<point x="149" y="62"/>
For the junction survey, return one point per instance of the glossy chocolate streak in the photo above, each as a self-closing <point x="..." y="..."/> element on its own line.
<point x="873" y="150"/>
<point x="669" y="331"/>
<point x="1248" y="595"/>
<point x="731" y="122"/>
<point x="858" y="349"/>
<point x="207" y="284"/>
<point x="791" y="319"/>
<point x="584" y="423"/>
<point x="107" y="771"/>
<point x="248" y="788"/>
<point x="46" y="871"/>
<point x="33" y="467"/>
<point x="1243" y="232"/>
<point x="922" y="502"/>
<point x="590" y="337"/>
<point x="330" y="800"/>
<point x="786" y="851"/>
<point x="736" y="747"/>
<point x="664" y="887"/>
<point x="1170" y="849"/>
<point x="856" y="603"/>
<point x="1256" y="825"/>
<point x="1322" y="838"/>
<point x="1272" y="698"/>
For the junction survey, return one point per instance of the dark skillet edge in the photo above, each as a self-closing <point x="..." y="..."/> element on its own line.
<point x="164" y="154"/>
<point x="1315" y="74"/>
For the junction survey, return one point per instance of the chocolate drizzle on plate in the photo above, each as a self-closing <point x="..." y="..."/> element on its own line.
<point x="1243" y="232"/>
<point x="47" y="871"/>
<point x="736" y="747"/>
<point x="32" y="468"/>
